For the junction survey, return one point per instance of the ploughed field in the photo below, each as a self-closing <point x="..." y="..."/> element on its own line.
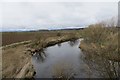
<point x="14" y="37"/>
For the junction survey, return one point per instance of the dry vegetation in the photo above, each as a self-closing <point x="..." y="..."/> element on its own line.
<point x="15" y="62"/>
<point x="100" y="46"/>
<point x="63" y="70"/>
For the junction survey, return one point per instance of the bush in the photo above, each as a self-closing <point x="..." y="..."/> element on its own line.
<point x="102" y="39"/>
<point x="58" y="34"/>
<point x="63" y="70"/>
<point x="96" y="33"/>
<point x="38" y="42"/>
<point x="101" y="48"/>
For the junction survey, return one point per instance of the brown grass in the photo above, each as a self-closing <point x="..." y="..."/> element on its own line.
<point x="100" y="46"/>
<point x="101" y="40"/>
<point x="63" y="70"/>
<point x="13" y="60"/>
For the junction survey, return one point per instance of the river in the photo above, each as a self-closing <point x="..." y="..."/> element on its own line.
<point x="62" y="60"/>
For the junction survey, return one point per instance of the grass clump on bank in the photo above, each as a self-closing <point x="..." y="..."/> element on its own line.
<point x="101" y="49"/>
<point x="63" y="71"/>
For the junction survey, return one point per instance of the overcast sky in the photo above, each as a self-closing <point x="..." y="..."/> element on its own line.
<point x="54" y="15"/>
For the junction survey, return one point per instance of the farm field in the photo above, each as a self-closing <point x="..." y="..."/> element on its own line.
<point x="14" y="37"/>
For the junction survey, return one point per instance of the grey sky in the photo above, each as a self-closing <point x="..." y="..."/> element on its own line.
<point x="52" y="15"/>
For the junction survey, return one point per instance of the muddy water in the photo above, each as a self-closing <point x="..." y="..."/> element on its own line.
<point x="64" y="58"/>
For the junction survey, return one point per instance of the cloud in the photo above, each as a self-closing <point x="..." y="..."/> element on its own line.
<point x="47" y="15"/>
<point x="60" y="0"/>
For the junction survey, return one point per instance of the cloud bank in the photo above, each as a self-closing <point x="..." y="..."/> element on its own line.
<point x="54" y="15"/>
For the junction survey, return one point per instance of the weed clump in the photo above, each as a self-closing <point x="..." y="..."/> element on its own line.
<point x="63" y="70"/>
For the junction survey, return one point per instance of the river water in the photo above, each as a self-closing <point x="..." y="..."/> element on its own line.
<point x="62" y="59"/>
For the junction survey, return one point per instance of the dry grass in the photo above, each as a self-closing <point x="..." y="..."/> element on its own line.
<point x="63" y="70"/>
<point x="101" y="40"/>
<point x="100" y="46"/>
<point x="13" y="60"/>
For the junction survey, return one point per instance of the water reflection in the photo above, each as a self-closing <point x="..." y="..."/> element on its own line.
<point x="59" y="44"/>
<point x="73" y="42"/>
<point x="63" y="60"/>
<point x="61" y="57"/>
<point x="40" y="56"/>
<point x="104" y="67"/>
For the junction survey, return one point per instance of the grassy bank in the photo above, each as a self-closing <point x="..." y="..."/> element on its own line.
<point x="15" y="63"/>
<point x="100" y="46"/>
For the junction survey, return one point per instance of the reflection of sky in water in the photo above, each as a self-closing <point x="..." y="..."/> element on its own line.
<point x="67" y="53"/>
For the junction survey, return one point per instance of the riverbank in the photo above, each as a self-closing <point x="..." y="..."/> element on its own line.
<point x="39" y="46"/>
<point x="60" y="61"/>
<point x="101" y="49"/>
<point x="15" y="63"/>
<point x="101" y="41"/>
<point x="17" y="59"/>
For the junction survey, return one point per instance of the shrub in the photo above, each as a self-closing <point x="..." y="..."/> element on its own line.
<point x="101" y="47"/>
<point x="38" y="42"/>
<point x="96" y="33"/>
<point x="58" y="34"/>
